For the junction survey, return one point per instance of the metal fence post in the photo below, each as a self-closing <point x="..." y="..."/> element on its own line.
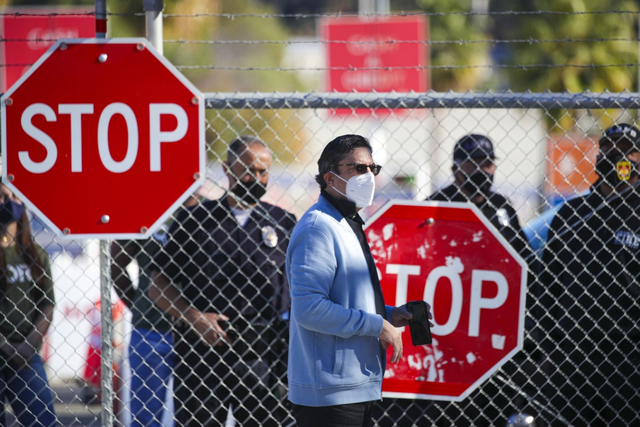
<point x="153" y="21"/>
<point x="106" y="322"/>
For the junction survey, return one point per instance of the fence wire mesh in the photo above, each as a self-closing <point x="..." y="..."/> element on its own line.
<point x="579" y="364"/>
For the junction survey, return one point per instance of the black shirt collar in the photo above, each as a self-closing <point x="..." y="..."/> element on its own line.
<point x="346" y="207"/>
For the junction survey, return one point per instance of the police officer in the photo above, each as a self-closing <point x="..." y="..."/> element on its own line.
<point x="592" y="266"/>
<point x="222" y="277"/>
<point x="473" y="170"/>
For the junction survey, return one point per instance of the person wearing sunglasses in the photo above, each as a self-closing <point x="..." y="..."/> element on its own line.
<point x="340" y="326"/>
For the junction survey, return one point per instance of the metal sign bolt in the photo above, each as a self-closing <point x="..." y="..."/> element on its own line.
<point x="8" y="102"/>
<point x="104" y="219"/>
<point x="63" y="46"/>
<point x="194" y="100"/>
<point x="11" y="177"/>
<point x="196" y="176"/>
<point x="102" y="58"/>
<point x="66" y="231"/>
<point x="140" y="46"/>
<point x="143" y="230"/>
<point x="427" y="222"/>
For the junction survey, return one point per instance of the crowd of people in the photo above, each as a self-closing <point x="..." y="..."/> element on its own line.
<point x="242" y="313"/>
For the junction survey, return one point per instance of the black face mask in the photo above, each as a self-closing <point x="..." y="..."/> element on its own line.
<point x="478" y="182"/>
<point x="249" y="192"/>
<point x="615" y="168"/>
<point x="10" y="211"/>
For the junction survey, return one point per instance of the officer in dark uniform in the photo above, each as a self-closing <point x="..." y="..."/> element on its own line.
<point x="222" y="277"/>
<point x="591" y="278"/>
<point x="473" y="172"/>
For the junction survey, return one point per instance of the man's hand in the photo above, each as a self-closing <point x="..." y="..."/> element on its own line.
<point x="400" y="316"/>
<point x="206" y="324"/>
<point x="391" y="336"/>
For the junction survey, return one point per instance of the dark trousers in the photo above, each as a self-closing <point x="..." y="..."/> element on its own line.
<point x="28" y="391"/>
<point x="210" y="380"/>
<point x="351" y="415"/>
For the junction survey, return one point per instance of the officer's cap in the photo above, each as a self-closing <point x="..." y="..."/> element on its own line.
<point x="622" y="132"/>
<point x="473" y="146"/>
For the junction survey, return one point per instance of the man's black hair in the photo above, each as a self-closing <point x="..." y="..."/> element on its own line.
<point x="337" y="150"/>
<point x="240" y="145"/>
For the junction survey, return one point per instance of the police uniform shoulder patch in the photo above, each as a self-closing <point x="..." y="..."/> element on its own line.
<point x="269" y="236"/>
<point x="623" y="168"/>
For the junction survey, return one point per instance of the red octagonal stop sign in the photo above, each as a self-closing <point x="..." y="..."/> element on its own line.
<point x="451" y="256"/>
<point x="103" y="138"/>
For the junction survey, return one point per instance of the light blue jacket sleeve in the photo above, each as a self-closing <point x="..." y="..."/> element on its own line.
<point x="321" y="299"/>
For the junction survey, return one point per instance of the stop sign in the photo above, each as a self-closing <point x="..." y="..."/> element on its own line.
<point x="451" y="256"/>
<point x="103" y="138"/>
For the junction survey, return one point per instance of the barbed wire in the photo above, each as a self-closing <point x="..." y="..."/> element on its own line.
<point x="333" y="14"/>
<point x="460" y="42"/>
<point x="523" y="67"/>
<point x="393" y="14"/>
<point x="46" y="14"/>
<point x="366" y="42"/>
<point x="410" y="42"/>
<point x="426" y="67"/>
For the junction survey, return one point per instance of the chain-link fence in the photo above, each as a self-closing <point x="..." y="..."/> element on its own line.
<point x="579" y="236"/>
<point x="579" y="364"/>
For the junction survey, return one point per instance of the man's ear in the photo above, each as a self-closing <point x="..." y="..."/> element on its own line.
<point x="328" y="178"/>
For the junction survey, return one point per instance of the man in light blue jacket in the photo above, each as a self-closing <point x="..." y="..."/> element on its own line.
<point x="339" y="326"/>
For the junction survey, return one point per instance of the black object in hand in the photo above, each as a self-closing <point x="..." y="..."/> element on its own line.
<point x="419" y="323"/>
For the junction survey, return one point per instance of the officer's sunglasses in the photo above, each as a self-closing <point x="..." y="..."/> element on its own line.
<point x="362" y="168"/>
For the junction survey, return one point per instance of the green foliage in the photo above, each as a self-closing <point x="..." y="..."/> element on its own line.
<point x="224" y="125"/>
<point x="244" y="55"/>
<point x="576" y="58"/>
<point x="569" y="65"/>
<point x="451" y="28"/>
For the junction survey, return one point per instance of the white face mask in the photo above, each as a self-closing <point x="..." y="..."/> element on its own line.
<point x="360" y="189"/>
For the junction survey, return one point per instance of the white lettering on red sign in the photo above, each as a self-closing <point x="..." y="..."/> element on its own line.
<point x="76" y="111"/>
<point x="451" y="271"/>
<point x="156" y="135"/>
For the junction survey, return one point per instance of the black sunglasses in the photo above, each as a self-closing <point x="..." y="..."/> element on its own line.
<point x="362" y="168"/>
